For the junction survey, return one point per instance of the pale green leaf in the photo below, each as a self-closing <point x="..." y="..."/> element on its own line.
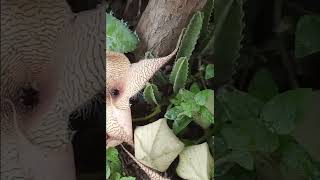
<point x="151" y="94"/>
<point x="190" y="37"/>
<point x="179" y="74"/>
<point x="119" y="38"/>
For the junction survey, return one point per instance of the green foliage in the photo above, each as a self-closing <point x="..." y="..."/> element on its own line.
<point x="238" y="105"/>
<point x="114" y="167"/>
<point x="307" y="36"/>
<point x="190" y="106"/>
<point x="283" y="112"/>
<point x="119" y="38"/>
<point x="209" y="73"/>
<point x="227" y="35"/>
<point x="294" y="156"/>
<point x="179" y="74"/>
<point x="190" y="36"/>
<point x="151" y="94"/>
<point x="263" y="86"/>
<point x="206" y="26"/>
<point x="243" y="158"/>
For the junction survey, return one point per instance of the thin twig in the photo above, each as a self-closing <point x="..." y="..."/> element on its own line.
<point x="288" y="64"/>
<point x="156" y="111"/>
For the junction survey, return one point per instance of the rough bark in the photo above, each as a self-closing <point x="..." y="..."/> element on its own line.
<point x="161" y="23"/>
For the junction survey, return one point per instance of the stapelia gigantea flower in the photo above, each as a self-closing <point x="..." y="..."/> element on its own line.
<point x="156" y="146"/>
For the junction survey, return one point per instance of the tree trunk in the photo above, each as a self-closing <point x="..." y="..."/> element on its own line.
<point x="161" y="23"/>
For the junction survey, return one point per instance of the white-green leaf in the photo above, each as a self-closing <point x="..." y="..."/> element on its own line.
<point x="179" y="74"/>
<point x="151" y="94"/>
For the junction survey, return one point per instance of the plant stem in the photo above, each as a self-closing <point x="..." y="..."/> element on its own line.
<point x="156" y="111"/>
<point x="201" y="77"/>
<point x="286" y="61"/>
<point x="207" y="134"/>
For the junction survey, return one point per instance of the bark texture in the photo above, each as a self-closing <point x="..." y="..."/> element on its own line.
<point x="162" y="22"/>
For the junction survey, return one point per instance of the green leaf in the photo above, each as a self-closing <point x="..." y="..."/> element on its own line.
<point x="307" y="36"/>
<point x="185" y="95"/>
<point x="207" y="13"/>
<point x="180" y="123"/>
<point x="173" y="113"/>
<point x="250" y="135"/>
<point x="108" y="170"/>
<point x="226" y="42"/>
<point x="115" y="176"/>
<point x="119" y="37"/>
<point x="238" y="106"/>
<point x="203" y="96"/>
<point x="151" y="94"/>
<point x="179" y="74"/>
<point x="209" y="72"/>
<point x="283" y="112"/>
<point x="243" y="158"/>
<point x="204" y="118"/>
<point x="190" y="107"/>
<point x="206" y="115"/>
<point x="263" y="86"/>
<point x="295" y="157"/>
<point x="115" y="163"/>
<point x="190" y="36"/>
<point x="194" y="87"/>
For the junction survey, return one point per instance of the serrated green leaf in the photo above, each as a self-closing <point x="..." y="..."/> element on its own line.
<point x="209" y="73"/>
<point x="283" y="112"/>
<point x="263" y="86"/>
<point x="151" y="94"/>
<point x="207" y="14"/>
<point x="226" y="43"/>
<point x="190" y="37"/>
<point x="307" y="36"/>
<point x="119" y="38"/>
<point x="179" y="74"/>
